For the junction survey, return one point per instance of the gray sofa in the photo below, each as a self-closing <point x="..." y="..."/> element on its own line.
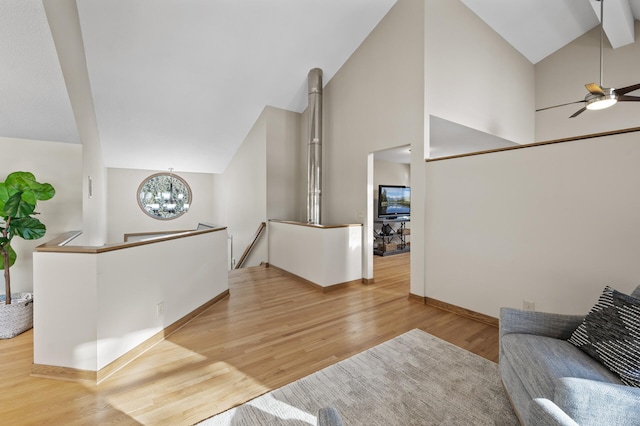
<point x="552" y="382"/>
<point x="329" y="416"/>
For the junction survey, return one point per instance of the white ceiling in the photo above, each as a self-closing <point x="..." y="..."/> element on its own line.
<point x="449" y="138"/>
<point x="446" y="139"/>
<point x="33" y="99"/>
<point x="196" y="74"/>
<point x="537" y="28"/>
<point x="400" y="154"/>
<point x="167" y="73"/>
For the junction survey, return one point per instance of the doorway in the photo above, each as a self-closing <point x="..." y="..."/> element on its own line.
<point x="390" y="168"/>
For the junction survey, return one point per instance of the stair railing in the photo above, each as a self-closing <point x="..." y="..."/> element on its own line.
<point x="244" y="256"/>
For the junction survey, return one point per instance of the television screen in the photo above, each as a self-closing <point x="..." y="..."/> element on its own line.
<point x="394" y="201"/>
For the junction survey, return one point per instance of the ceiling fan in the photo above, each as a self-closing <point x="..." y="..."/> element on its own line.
<point x="600" y="97"/>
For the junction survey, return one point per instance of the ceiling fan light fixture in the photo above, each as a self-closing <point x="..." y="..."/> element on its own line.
<point x="597" y="102"/>
<point x="601" y="104"/>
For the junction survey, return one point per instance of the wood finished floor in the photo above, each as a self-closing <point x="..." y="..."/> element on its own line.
<point x="271" y="331"/>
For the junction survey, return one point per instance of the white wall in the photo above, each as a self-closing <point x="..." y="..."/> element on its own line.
<point x="125" y="215"/>
<point x="324" y="256"/>
<point x="241" y="192"/>
<point x="284" y="149"/>
<point x="422" y="59"/>
<point x="374" y="102"/>
<point x="474" y="77"/>
<point x="390" y="173"/>
<point x="551" y="224"/>
<point x="560" y="78"/>
<point x="95" y="307"/>
<point x="59" y="164"/>
<point x="262" y="182"/>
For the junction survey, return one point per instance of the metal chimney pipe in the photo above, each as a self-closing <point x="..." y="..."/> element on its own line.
<point x="314" y="147"/>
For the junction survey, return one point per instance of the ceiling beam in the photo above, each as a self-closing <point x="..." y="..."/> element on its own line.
<point x="618" y="21"/>
<point x="64" y="24"/>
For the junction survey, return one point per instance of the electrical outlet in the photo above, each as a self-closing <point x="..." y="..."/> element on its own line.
<point x="528" y="305"/>
<point x="160" y="309"/>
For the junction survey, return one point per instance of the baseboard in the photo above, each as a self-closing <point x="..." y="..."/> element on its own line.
<point x="96" y="377"/>
<point x="418" y="299"/>
<point x="368" y="281"/>
<point x="318" y="287"/>
<point x="64" y="373"/>
<point x="339" y="286"/>
<point x="463" y="312"/>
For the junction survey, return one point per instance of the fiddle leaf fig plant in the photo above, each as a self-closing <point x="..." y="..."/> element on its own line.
<point x="19" y="195"/>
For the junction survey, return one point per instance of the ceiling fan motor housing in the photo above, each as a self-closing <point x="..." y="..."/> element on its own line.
<point x="595" y="101"/>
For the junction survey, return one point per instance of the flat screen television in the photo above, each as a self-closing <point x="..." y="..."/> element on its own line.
<point x="394" y="201"/>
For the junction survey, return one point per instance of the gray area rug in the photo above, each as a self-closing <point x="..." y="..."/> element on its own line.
<point x="413" y="379"/>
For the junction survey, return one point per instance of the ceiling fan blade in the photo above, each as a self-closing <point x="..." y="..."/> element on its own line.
<point x="556" y="106"/>
<point x="578" y="112"/>
<point x="594" y="88"/>
<point x="627" y="98"/>
<point x="627" y="89"/>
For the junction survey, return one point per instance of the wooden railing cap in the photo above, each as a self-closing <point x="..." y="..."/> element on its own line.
<point x="537" y="144"/>
<point x="60" y="243"/>
<point x="310" y="225"/>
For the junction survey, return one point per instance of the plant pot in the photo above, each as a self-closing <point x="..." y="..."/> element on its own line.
<point x="17" y="317"/>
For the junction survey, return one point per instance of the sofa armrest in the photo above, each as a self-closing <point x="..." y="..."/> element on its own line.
<point x="558" y="326"/>
<point x="588" y="400"/>
<point x="545" y="412"/>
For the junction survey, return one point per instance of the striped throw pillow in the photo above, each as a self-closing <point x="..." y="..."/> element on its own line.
<point x="610" y="333"/>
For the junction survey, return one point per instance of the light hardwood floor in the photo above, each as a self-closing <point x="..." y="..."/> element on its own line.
<point x="272" y="330"/>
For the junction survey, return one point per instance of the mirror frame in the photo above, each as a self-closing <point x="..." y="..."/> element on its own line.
<point x="181" y="197"/>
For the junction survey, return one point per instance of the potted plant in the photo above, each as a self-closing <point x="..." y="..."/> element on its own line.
<point x="19" y="194"/>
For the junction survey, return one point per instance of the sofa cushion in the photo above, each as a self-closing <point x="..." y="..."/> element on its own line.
<point x="610" y="333"/>
<point x="543" y="360"/>
<point x="592" y="403"/>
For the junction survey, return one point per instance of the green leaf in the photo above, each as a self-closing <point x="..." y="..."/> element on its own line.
<point x="28" y="228"/>
<point x="19" y="181"/>
<point x="26" y="183"/>
<point x="4" y="195"/>
<point x="44" y="191"/>
<point x="17" y="207"/>
<point x="12" y="257"/>
<point x="29" y="197"/>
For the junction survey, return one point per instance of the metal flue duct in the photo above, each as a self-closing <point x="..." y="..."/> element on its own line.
<point x="314" y="147"/>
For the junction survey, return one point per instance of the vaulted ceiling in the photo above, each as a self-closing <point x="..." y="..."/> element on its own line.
<point x="174" y="83"/>
<point x="537" y="28"/>
<point x="179" y="83"/>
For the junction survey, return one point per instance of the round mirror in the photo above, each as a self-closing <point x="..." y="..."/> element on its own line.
<point x="164" y="196"/>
